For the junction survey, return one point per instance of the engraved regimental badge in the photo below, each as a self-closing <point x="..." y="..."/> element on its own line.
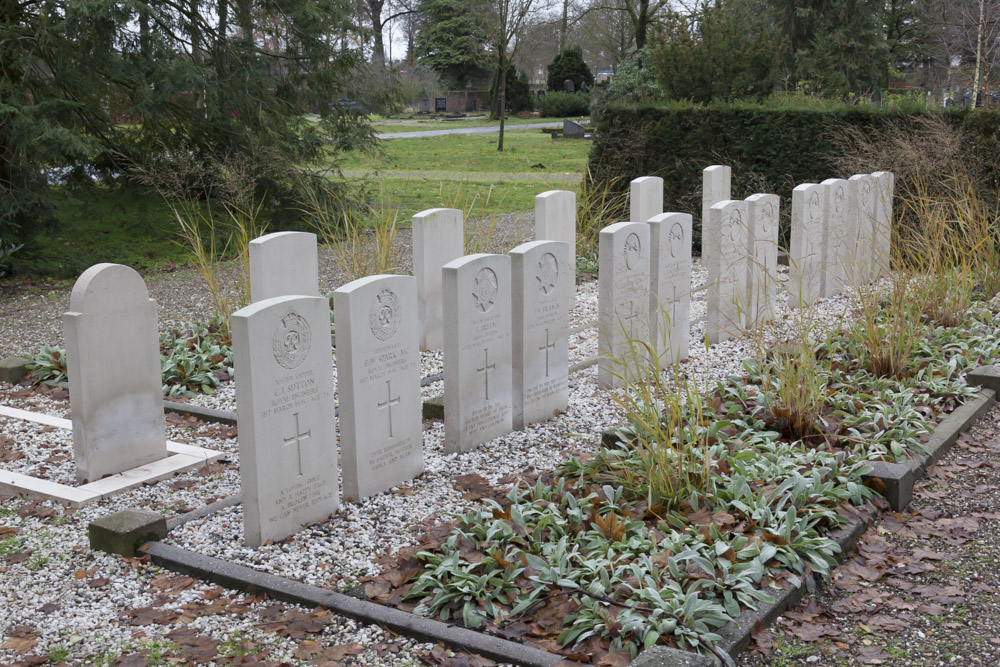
<point x="633" y="250"/>
<point x="291" y="340"/>
<point x="548" y="273"/>
<point x="384" y="314"/>
<point x="485" y="291"/>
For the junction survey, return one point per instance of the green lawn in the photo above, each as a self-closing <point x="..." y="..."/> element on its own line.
<point x="120" y="226"/>
<point x="477" y="154"/>
<point x="420" y="124"/>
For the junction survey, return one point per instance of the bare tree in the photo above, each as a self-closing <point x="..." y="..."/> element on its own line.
<point x="378" y="14"/>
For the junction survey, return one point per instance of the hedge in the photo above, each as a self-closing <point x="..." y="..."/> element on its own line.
<point x="769" y="150"/>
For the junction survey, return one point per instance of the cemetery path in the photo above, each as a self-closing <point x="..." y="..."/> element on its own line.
<point x="922" y="588"/>
<point x="465" y="130"/>
<point x="459" y="176"/>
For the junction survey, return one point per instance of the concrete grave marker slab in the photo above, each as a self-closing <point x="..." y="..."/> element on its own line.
<point x="724" y="249"/>
<point x="113" y="364"/>
<point x="762" y="249"/>
<point x="555" y="220"/>
<point x="885" y="188"/>
<point x="540" y="330"/>
<point x="645" y="198"/>
<point x="861" y="217"/>
<point x="283" y="264"/>
<point x="716" y="186"/>
<point x="623" y="300"/>
<point x="438" y="238"/>
<point x="378" y="369"/>
<point x="805" y="253"/>
<point x="288" y="442"/>
<point x="478" y="396"/>
<point x="670" y="286"/>
<point x="838" y="229"/>
<point x="572" y="130"/>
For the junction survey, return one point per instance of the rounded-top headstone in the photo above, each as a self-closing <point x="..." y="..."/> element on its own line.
<point x="108" y="288"/>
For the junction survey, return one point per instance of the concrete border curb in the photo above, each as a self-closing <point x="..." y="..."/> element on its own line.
<point x="204" y="414"/>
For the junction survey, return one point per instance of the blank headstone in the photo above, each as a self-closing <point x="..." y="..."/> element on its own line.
<point x="762" y="248"/>
<point x="555" y="220"/>
<point x="540" y="330"/>
<point x="716" y="186"/>
<point x="288" y="442"/>
<point x="573" y="130"/>
<point x="378" y="370"/>
<point x="885" y="186"/>
<point x="438" y="238"/>
<point x="861" y="214"/>
<point x="805" y="252"/>
<point x="283" y="264"/>
<point x="623" y="300"/>
<point x="113" y="364"/>
<point x="477" y="351"/>
<point x="645" y="198"/>
<point x="837" y="230"/>
<point x="670" y="286"/>
<point x="724" y="249"/>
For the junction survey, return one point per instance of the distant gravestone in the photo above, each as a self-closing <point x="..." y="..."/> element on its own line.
<point x="805" y="252"/>
<point x="555" y="220"/>
<point x="540" y="308"/>
<point x="885" y="185"/>
<point x="573" y="130"/>
<point x="440" y="104"/>
<point x="861" y="214"/>
<point x="438" y="238"/>
<point x="724" y="249"/>
<point x="568" y="86"/>
<point x="623" y="301"/>
<point x="645" y="198"/>
<point x="670" y="283"/>
<point x="762" y="249"/>
<point x="283" y="264"/>
<point x="478" y="396"/>
<point x="113" y="364"/>
<point x="378" y="370"/>
<point x="288" y="439"/>
<point x="716" y="186"/>
<point x="584" y="88"/>
<point x="835" y="202"/>
<point x="423" y="106"/>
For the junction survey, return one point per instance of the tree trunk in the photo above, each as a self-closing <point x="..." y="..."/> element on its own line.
<point x="378" y="46"/>
<point x="563" y="26"/>
<point x="979" y="54"/>
<point x="503" y="99"/>
<point x="642" y="24"/>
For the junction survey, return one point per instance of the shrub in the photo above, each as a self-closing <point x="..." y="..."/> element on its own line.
<point x="569" y="64"/>
<point x="561" y="105"/>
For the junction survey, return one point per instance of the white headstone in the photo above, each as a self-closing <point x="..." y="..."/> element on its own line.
<point x="724" y="249"/>
<point x="623" y="301"/>
<point x="477" y="351"/>
<point x="555" y="220"/>
<point x="885" y="187"/>
<point x="646" y="198"/>
<point x="288" y="441"/>
<point x="670" y="286"/>
<point x="762" y="248"/>
<point x="540" y="330"/>
<point x="378" y="370"/>
<point x="861" y="215"/>
<point x="113" y="364"/>
<point x="438" y="238"/>
<point x="805" y="252"/>
<point x="837" y="225"/>
<point x="716" y="186"/>
<point x="283" y="264"/>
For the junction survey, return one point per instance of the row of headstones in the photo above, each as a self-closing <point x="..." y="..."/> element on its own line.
<point x="505" y="331"/>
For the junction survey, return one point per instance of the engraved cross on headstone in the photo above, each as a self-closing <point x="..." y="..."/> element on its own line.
<point x="485" y="370"/>
<point x="297" y="439"/>
<point x="388" y="403"/>
<point x="548" y="346"/>
<point x="630" y="318"/>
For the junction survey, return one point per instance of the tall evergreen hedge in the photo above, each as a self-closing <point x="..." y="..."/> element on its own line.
<point x="769" y="150"/>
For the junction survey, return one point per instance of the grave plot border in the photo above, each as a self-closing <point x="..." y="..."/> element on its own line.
<point x="180" y="457"/>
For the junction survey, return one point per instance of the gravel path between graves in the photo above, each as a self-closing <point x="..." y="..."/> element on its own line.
<point x="922" y="588"/>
